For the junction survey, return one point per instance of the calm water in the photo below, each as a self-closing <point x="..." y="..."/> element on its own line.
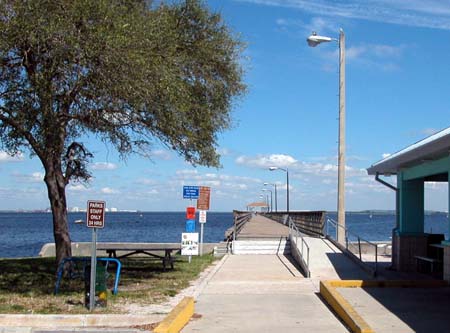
<point x="23" y="234"/>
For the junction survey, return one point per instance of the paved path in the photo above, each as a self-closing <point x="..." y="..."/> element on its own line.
<point x="261" y="293"/>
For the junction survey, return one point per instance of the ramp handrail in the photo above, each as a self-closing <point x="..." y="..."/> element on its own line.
<point x="353" y="245"/>
<point x="295" y="234"/>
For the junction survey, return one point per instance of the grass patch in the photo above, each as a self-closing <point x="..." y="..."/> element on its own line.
<point x="27" y="285"/>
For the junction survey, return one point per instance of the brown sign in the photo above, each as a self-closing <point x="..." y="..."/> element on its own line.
<point x="203" y="198"/>
<point x="95" y="215"/>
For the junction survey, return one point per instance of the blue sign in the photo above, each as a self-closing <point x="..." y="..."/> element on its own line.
<point x="190" y="225"/>
<point x="190" y="192"/>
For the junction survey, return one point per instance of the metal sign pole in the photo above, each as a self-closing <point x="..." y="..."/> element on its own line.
<point x="201" y="239"/>
<point x="190" y="257"/>
<point x="93" y="269"/>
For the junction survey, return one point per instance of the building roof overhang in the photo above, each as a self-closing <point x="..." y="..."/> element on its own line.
<point x="257" y="204"/>
<point x="431" y="148"/>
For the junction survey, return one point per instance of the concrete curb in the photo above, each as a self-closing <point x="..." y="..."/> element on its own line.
<point x="343" y="309"/>
<point x="328" y="290"/>
<point x="58" y="321"/>
<point x="177" y="318"/>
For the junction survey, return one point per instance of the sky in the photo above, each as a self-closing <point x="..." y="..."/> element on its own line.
<point x="397" y="82"/>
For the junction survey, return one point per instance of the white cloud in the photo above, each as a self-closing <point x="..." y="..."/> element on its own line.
<point x="186" y="173"/>
<point x="35" y="177"/>
<point x="298" y="169"/>
<point x="266" y="161"/>
<point x="430" y="13"/>
<point x="77" y="188"/>
<point x="104" y="166"/>
<point x="429" y="131"/>
<point x="225" y="152"/>
<point x="161" y="154"/>
<point x="5" y="157"/>
<point x="108" y="190"/>
<point x="380" y="56"/>
<point x="146" y="181"/>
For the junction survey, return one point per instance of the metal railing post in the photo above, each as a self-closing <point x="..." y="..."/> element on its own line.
<point x="376" y="259"/>
<point x="307" y="262"/>
<point x="359" y="246"/>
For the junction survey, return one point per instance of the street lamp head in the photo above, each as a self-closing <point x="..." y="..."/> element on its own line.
<point x="265" y="184"/>
<point x="315" y="39"/>
<point x="272" y="168"/>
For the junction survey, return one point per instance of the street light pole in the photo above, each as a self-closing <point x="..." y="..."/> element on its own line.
<point x="271" y="198"/>
<point x="287" y="184"/>
<point x="276" y="199"/>
<point x="341" y="157"/>
<point x="313" y="41"/>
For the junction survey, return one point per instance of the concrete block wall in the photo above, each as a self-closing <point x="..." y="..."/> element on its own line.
<point x="447" y="263"/>
<point x="404" y="250"/>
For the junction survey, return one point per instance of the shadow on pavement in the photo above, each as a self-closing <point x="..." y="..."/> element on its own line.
<point x="424" y="310"/>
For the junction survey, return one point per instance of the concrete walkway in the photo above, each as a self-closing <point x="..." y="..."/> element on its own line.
<point x="327" y="262"/>
<point x="261" y="293"/>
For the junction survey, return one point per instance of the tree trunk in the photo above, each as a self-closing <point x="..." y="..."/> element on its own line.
<point x="56" y="186"/>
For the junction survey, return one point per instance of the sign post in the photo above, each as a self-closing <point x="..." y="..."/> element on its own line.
<point x="95" y="218"/>
<point x="203" y="206"/>
<point x="202" y="221"/>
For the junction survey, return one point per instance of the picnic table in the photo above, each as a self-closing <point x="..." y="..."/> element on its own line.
<point x="123" y="250"/>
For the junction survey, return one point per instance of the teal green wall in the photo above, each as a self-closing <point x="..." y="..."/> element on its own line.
<point x="411" y="205"/>
<point x="410" y="183"/>
<point x="427" y="169"/>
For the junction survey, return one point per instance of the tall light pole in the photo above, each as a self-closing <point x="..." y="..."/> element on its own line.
<point x="272" y="168"/>
<point x="276" y="199"/>
<point x="265" y="198"/>
<point x="271" y="198"/>
<point x="313" y="41"/>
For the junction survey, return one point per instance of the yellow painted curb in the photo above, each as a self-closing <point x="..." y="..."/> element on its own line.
<point x="343" y="308"/>
<point x="177" y="318"/>
<point x="348" y="314"/>
<point x="388" y="283"/>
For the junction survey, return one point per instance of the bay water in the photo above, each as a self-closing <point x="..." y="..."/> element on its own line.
<point x="24" y="234"/>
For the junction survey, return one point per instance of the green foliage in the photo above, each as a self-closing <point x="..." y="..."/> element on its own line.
<point x="129" y="72"/>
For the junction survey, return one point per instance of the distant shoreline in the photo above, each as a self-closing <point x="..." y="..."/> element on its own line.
<point x="375" y="212"/>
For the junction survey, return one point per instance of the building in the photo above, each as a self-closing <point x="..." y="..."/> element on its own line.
<point x="425" y="161"/>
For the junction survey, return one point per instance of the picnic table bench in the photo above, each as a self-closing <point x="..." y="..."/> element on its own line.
<point x="123" y="250"/>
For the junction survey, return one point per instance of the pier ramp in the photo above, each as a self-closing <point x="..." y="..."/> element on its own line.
<point x="259" y="286"/>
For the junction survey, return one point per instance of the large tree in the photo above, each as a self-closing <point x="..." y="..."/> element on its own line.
<point x="128" y="72"/>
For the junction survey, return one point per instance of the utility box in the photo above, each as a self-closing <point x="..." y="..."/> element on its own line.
<point x="100" y="285"/>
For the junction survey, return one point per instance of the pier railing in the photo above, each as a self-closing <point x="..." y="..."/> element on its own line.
<point x="240" y="219"/>
<point x="361" y="250"/>
<point x="310" y="223"/>
<point x="301" y="248"/>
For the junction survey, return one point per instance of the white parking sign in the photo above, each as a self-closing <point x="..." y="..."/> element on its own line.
<point x="202" y="216"/>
